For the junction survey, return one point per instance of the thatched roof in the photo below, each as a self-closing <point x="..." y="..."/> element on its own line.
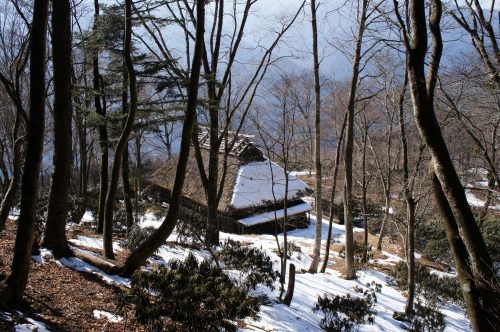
<point x="241" y="145"/>
<point x="193" y="186"/>
<point x="251" y="179"/>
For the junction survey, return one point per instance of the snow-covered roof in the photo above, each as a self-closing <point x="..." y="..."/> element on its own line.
<point x="264" y="181"/>
<point x="268" y="216"/>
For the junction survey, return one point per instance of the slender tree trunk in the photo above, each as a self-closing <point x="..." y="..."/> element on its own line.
<point x="10" y="194"/>
<point x="103" y="129"/>
<point x="148" y="247"/>
<point x="387" y="195"/>
<point x="430" y="131"/>
<point x="12" y="289"/>
<point x="57" y="214"/>
<point x="422" y="92"/>
<point x="348" y="200"/>
<point x="127" y="188"/>
<point x="317" y="145"/>
<point x="332" y="197"/>
<point x="410" y="233"/>
<point x="364" y="188"/>
<point x="123" y="140"/>
<point x="478" y="316"/>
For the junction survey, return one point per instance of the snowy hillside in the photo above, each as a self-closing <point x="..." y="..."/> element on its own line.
<point x="276" y="316"/>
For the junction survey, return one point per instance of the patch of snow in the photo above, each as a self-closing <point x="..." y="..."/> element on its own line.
<point x="14" y="214"/>
<point x="268" y="216"/>
<point x="81" y="266"/>
<point x="150" y="220"/>
<point x="306" y="172"/>
<point x="45" y="255"/>
<point x="88" y="217"/>
<point x="391" y="210"/>
<point x="110" y="316"/>
<point x="31" y="326"/>
<point x="262" y="181"/>
<point x="93" y="242"/>
<point x="473" y="200"/>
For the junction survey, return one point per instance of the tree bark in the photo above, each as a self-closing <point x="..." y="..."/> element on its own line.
<point x="57" y="214"/>
<point x="422" y="92"/>
<point x="317" y="145"/>
<point x="348" y="200"/>
<point x="477" y="314"/>
<point x="291" y="285"/>
<point x="332" y="197"/>
<point x="12" y="289"/>
<point x="123" y="140"/>
<point x="103" y="129"/>
<point x="127" y="188"/>
<point x="148" y="247"/>
<point x="10" y="194"/>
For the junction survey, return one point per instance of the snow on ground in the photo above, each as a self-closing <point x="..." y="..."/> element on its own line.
<point x="112" y="318"/>
<point x="88" y="217"/>
<point x="475" y="201"/>
<point x="14" y="214"/>
<point x="263" y="181"/>
<point x="92" y="242"/>
<point x="299" y="316"/>
<point x="81" y="266"/>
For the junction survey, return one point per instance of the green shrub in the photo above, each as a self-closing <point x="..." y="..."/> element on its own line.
<point x="345" y="313"/>
<point x="191" y="227"/>
<point x="491" y="233"/>
<point x="136" y="236"/>
<point x="188" y="296"/>
<point x="425" y="318"/>
<point x="428" y="284"/>
<point x="256" y="267"/>
<point x="433" y="243"/>
<point x="290" y="249"/>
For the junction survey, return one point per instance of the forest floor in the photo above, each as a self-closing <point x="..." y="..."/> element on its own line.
<point x="70" y="295"/>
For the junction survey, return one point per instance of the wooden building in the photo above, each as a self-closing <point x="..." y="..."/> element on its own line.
<point x="253" y="199"/>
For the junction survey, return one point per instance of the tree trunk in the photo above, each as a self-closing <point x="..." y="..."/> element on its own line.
<point x="348" y="201"/>
<point x="422" y="92"/>
<point x="127" y="188"/>
<point x="123" y="140"/>
<point x="149" y="246"/>
<point x="317" y="145"/>
<point x="103" y="129"/>
<point x="10" y="195"/>
<point x="12" y="289"/>
<point x="332" y="197"/>
<point x="478" y="315"/>
<point x="410" y="263"/>
<point x="57" y="214"/>
<point x="422" y="95"/>
<point x="387" y="195"/>
<point x="291" y="285"/>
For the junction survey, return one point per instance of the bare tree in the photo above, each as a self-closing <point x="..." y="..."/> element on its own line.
<point x="14" y="60"/>
<point x="348" y="153"/>
<point x="484" y="312"/>
<point x="123" y="140"/>
<point x="57" y="214"/>
<point x="12" y="288"/>
<point x="317" y="144"/>
<point x="149" y="246"/>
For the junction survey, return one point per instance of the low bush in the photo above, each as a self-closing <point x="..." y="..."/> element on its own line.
<point x="345" y="313"/>
<point x="254" y="266"/>
<point x="428" y="284"/>
<point x="136" y="236"/>
<point x="425" y="318"/>
<point x="188" y="296"/>
<point x="290" y="249"/>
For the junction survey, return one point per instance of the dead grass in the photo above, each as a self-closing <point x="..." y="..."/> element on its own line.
<point x="60" y="297"/>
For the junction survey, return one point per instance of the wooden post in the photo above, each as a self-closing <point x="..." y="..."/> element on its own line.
<point x="291" y="285"/>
